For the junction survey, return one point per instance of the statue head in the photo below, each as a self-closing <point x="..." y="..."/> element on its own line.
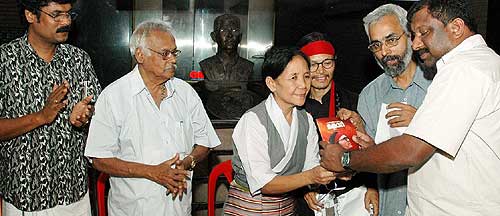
<point x="226" y="32"/>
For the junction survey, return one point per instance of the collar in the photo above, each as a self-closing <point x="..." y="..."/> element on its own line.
<point x="27" y="46"/>
<point x="418" y="79"/>
<point x="467" y="44"/>
<point x="137" y="83"/>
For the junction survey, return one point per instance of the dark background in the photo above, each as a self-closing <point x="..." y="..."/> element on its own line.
<point x="103" y="27"/>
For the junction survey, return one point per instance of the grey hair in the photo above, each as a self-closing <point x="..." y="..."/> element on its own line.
<point x="384" y="10"/>
<point x="142" y="31"/>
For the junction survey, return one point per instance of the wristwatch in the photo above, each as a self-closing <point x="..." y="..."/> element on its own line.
<point x="193" y="162"/>
<point x="346" y="161"/>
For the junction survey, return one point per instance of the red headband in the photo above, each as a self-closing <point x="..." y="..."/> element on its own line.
<point x="318" y="47"/>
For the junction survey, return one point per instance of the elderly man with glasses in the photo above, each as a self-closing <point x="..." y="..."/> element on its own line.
<point x="45" y="90"/>
<point x="149" y="130"/>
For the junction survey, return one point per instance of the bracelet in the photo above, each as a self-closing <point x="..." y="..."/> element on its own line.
<point x="193" y="162"/>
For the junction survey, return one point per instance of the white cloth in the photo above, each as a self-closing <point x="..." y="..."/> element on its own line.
<point x="250" y="138"/>
<point x="351" y="203"/>
<point x="79" y="208"/>
<point x="384" y="131"/>
<point x="128" y="125"/>
<point x="460" y="116"/>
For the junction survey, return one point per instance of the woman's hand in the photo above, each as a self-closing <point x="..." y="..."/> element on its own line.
<point x="319" y="175"/>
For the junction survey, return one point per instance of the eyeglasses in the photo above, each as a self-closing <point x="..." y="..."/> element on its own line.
<point x="167" y="53"/>
<point x="326" y="64"/>
<point x="60" y="16"/>
<point x="389" y="42"/>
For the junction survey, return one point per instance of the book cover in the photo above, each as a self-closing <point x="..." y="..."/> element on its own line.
<point x="333" y="129"/>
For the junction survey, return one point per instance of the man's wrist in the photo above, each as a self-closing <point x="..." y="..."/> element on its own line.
<point x="346" y="161"/>
<point x="38" y="119"/>
<point x="191" y="162"/>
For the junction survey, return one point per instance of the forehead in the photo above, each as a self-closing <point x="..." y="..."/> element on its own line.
<point x="161" y="40"/>
<point x="320" y="57"/>
<point x="385" y="26"/>
<point x="296" y="65"/>
<point x="54" y="6"/>
<point x="422" y="18"/>
<point x="229" y="22"/>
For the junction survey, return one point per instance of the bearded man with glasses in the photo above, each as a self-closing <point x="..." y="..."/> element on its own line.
<point x="46" y="89"/>
<point x="388" y="103"/>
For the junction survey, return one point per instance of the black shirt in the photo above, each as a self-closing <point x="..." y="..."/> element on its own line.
<point x="343" y="99"/>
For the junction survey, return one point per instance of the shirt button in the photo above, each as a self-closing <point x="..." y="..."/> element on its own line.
<point x="399" y="212"/>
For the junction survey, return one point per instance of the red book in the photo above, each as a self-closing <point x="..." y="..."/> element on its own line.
<point x="333" y="129"/>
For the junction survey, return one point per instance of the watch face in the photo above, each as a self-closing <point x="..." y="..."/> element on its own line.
<point x="346" y="157"/>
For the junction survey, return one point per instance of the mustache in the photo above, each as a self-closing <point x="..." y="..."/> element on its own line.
<point x="422" y="51"/>
<point x="171" y="67"/>
<point x="64" y="29"/>
<point x="390" y="58"/>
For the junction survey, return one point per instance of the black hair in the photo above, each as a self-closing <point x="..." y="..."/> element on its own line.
<point x="311" y="37"/>
<point x="34" y="7"/>
<point x="277" y="58"/>
<point x="445" y="11"/>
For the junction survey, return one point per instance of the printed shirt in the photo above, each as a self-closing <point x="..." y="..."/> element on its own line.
<point x="44" y="167"/>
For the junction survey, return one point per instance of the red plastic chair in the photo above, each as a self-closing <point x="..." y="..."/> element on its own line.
<point x="221" y="168"/>
<point x="101" y="191"/>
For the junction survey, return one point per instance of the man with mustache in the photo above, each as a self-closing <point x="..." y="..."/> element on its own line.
<point x="392" y="97"/>
<point x="452" y="144"/>
<point x="149" y="130"/>
<point x="45" y="90"/>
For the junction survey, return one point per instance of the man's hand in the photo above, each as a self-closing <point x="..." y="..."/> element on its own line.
<point x="183" y="164"/>
<point x="81" y="112"/>
<point x="363" y="140"/>
<point x="312" y="202"/>
<point x="401" y="115"/>
<point x="54" y="103"/>
<point x="331" y="155"/>
<point x="371" y="197"/>
<point x="167" y="176"/>
<point x="354" y="117"/>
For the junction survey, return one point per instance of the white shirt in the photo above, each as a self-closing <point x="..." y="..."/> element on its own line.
<point x="250" y="138"/>
<point x="460" y="116"/>
<point x="128" y="125"/>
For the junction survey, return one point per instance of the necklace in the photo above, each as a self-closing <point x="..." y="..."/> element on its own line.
<point x="164" y="92"/>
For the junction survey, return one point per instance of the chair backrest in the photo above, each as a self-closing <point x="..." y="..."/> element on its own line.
<point x="101" y="191"/>
<point x="221" y="168"/>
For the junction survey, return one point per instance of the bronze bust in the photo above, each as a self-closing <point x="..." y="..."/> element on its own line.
<point x="226" y="64"/>
<point x="226" y="73"/>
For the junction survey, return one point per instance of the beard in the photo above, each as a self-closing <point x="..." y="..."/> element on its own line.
<point x="428" y="68"/>
<point x="402" y="62"/>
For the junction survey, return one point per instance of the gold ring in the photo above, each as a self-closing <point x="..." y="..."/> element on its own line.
<point x="55" y="101"/>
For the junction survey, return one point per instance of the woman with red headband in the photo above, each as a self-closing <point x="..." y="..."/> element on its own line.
<point x="326" y="99"/>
